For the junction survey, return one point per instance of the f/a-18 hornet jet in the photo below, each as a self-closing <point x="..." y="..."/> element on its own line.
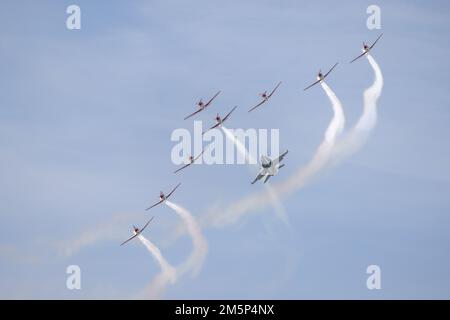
<point x="265" y="97"/>
<point x="366" y="48"/>
<point x="220" y="121"/>
<point x="202" y="106"/>
<point x="321" y="76"/>
<point x="163" y="197"/>
<point x="269" y="167"/>
<point x="137" y="231"/>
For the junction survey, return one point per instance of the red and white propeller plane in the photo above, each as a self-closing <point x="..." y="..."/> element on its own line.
<point x="202" y="106"/>
<point x="265" y="97"/>
<point x="220" y="121"/>
<point x="191" y="161"/>
<point x="137" y="231"/>
<point x="163" y="197"/>
<point x="366" y="48"/>
<point x="321" y="76"/>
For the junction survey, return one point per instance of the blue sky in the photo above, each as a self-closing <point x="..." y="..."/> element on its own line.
<point x="85" y="124"/>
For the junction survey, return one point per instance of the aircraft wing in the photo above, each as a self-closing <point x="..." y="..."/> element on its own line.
<point x="211" y="100"/>
<point x="173" y="190"/>
<point x="257" y="105"/>
<point x="145" y="226"/>
<point x="229" y="113"/>
<point x="185" y="166"/>
<point x="326" y="74"/>
<point x="259" y="176"/>
<point x="195" y="159"/>
<point x="160" y="201"/>
<point x="362" y="54"/>
<point x="373" y="44"/>
<point x="194" y="113"/>
<point x="130" y="239"/>
<point x="270" y="94"/>
<point x="214" y="126"/>
<point x="280" y="158"/>
<point x="311" y="85"/>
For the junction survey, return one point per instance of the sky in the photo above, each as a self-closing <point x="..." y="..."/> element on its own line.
<point x="86" y="118"/>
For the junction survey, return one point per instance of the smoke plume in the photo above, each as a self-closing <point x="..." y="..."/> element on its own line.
<point x="358" y="136"/>
<point x="167" y="275"/>
<point x="197" y="257"/>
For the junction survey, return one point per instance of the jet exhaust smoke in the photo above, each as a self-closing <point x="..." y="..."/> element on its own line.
<point x="260" y="200"/>
<point x="198" y="255"/>
<point x="358" y="136"/>
<point x="167" y="275"/>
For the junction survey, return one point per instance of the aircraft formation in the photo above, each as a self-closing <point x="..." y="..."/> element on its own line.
<point x="269" y="167"/>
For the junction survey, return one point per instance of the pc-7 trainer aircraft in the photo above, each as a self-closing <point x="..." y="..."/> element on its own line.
<point x="137" y="231"/>
<point x="163" y="197"/>
<point x="321" y="77"/>
<point x="366" y="48"/>
<point x="269" y="167"/>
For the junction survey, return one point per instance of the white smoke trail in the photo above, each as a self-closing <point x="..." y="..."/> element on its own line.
<point x="239" y="146"/>
<point x="253" y="202"/>
<point x="323" y="153"/>
<point x="371" y="95"/>
<point x="273" y="196"/>
<point x="337" y="125"/>
<point x="259" y="201"/>
<point x="197" y="257"/>
<point x="218" y="218"/>
<point x="358" y="136"/>
<point x="167" y="275"/>
<point x="327" y="151"/>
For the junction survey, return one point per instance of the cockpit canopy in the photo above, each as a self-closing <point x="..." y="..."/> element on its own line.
<point x="266" y="162"/>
